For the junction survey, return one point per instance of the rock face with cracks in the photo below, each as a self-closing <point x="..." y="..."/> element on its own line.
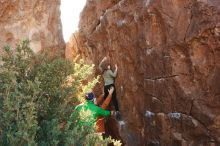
<point x="168" y="55"/>
<point x="36" y="20"/>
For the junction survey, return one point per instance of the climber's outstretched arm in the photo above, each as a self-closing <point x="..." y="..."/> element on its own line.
<point x="100" y="64"/>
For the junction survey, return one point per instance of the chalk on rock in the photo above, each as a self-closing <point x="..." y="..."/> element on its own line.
<point x="149" y="114"/>
<point x="174" y="115"/>
<point x="121" y="124"/>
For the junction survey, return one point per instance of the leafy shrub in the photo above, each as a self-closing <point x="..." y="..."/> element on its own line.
<point x="37" y="96"/>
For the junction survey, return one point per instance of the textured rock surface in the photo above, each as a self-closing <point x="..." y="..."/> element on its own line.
<point x="36" y="20"/>
<point x="168" y="53"/>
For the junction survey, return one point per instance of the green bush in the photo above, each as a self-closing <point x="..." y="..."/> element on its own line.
<point x="37" y="96"/>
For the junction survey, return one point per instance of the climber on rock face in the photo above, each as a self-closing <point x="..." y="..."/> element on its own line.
<point x="109" y="80"/>
<point x="89" y="111"/>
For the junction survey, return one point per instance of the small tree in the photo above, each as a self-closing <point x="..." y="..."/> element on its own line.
<point x="37" y="96"/>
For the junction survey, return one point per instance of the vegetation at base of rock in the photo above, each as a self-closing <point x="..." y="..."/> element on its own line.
<point x="37" y="96"/>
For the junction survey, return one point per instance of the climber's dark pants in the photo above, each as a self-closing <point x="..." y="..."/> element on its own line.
<point x="114" y="99"/>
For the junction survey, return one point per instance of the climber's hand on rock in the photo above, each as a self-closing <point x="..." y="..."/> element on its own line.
<point x="110" y="91"/>
<point x="116" y="67"/>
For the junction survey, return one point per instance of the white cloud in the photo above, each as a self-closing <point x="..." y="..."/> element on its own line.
<point x="70" y="12"/>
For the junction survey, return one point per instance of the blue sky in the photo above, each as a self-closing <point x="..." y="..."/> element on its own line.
<point x="70" y="12"/>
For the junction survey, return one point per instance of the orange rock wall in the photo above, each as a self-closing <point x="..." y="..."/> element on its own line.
<point x="36" y="20"/>
<point x="168" y="54"/>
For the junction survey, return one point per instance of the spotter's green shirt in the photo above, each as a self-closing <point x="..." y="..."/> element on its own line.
<point x="88" y="113"/>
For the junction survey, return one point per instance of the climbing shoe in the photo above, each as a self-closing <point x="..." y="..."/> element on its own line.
<point x="117" y="115"/>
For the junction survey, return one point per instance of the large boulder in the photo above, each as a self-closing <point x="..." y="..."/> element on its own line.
<point x="168" y="53"/>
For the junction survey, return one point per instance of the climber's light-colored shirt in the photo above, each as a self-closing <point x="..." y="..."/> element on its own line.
<point x="108" y="75"/>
